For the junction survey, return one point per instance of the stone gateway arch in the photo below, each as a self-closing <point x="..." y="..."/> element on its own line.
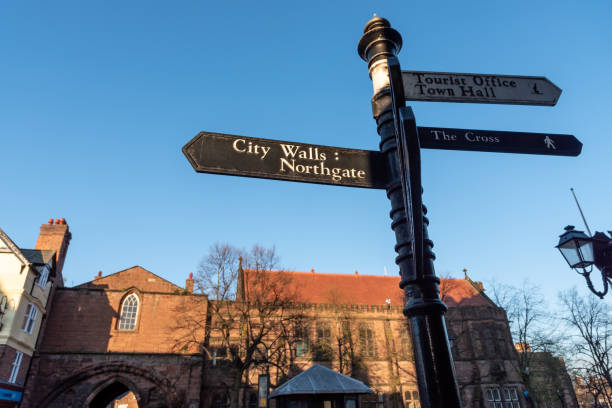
<point x="99" y="385"/>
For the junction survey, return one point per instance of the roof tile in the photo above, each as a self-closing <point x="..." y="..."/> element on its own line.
<point x="361" y="289"/>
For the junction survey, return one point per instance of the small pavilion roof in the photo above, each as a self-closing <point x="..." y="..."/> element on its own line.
<point x="321" y="380"/>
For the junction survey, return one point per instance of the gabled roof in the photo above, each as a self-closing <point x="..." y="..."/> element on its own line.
<point x="38" y="256"/>
<point x="311" y="287"/>
<point x="321" y="380"/>
<point x="136" y="277"/>
<point x="12" y="247"/>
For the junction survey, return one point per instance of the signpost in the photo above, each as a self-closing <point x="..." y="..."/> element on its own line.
<point x="274" y="159"/>
<point x="397" y="169"/>
<point x="479" y="88"/>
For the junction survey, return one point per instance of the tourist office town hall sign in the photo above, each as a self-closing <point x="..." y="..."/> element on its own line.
<point x="396" y="168"/>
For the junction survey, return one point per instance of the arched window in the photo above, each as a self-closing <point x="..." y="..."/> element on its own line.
<point x="129" y="312"/>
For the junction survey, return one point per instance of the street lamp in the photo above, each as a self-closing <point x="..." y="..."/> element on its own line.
<point x="581" y="252"/>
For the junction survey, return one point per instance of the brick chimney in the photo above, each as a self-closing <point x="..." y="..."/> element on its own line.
<point x="189" y="283"/>
<point x="55" y="236"/>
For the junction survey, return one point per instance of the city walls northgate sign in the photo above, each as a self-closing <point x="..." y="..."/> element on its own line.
<point x="264" y="158"/>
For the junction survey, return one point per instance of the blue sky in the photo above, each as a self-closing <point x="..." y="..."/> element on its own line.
<point x="98" y="98"/>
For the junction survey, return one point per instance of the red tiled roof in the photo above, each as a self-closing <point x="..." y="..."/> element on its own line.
<point x="330" y="288"/>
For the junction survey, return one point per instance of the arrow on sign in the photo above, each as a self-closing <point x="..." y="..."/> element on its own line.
<point x="501" y="142"/>
<point x="274" y="159"/>
<point x="479" y="88"/>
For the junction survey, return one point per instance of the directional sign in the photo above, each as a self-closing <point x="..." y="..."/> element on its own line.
<point x="479" y="88"/>
<point x="274" y="159"/>
<point x="496" y="141"/>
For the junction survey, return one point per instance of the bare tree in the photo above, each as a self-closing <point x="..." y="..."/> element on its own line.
<point x="217" y="274"/>
<point x="251" y="316"/>
<point x="345" y="344"/>
<point x="534" y="335"/>
<point x="589" y="321"/>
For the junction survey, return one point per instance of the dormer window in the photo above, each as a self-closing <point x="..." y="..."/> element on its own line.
<point x="44" y="276"/>
<point x="129" y="312"/>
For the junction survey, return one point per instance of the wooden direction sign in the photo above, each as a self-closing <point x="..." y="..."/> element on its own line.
<point x="274" y="159"/>
<point x="479" y="88"/>
<point x="496" y="141"/>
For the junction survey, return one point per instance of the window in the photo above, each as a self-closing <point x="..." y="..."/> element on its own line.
<point x="477" y="343"/>
<point x="322" y="350"/>
<point x="219" y="351"/>
<point x="129" y="312"/>
<point x="369" y="401"/>
<point x="43" y="277"/>
<point x="505" y="397"/>
<point x="366" y="340"/>
<point x="406" y="347"/>
<point x="323" y="333"/>
<point x="346" y="330"/>
<point x="15" y="367"/>
<point x="301" y="348"/>
<point x="29" y="318"/>
<point x="412" y="399"/>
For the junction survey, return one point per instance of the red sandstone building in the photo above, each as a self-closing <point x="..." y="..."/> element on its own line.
<point x="122" y="340"/>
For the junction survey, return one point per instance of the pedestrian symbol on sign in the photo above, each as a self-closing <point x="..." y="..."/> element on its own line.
<point x="550" y="144"/>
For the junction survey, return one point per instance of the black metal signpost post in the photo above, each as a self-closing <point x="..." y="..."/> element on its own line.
<point x="400" y="143"/>
<point x="397" y="168"/>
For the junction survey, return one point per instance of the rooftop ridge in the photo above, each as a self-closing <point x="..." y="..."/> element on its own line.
<point x="319" y="273"/>
<point x="13" y="247"/>
<point x="310" y="273"/>
<point x="127" y="269"/>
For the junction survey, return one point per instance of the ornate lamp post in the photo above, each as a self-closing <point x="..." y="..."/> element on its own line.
<point x="582" y="252"/>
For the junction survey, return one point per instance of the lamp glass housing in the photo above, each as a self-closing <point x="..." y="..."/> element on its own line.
<point x="577" y="249"/>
